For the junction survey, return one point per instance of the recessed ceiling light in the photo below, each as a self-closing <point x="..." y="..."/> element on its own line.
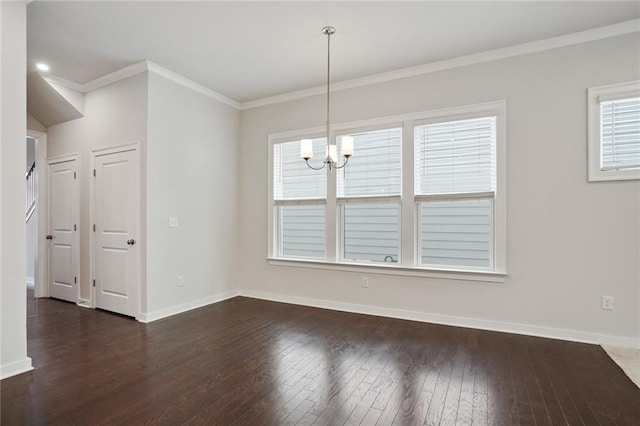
<point x="42" y="67"/>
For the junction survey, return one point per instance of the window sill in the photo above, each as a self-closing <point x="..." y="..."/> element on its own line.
<point x="598" y="175"/>
<point x="454" y="274"/>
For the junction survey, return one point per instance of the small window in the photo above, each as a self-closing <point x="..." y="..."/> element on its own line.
<point x="614" y="132"/>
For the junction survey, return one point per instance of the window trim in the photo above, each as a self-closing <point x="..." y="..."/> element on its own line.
<point x="596" y="95"/>
<point x="408" y="265"/>
<point x="391" y="269"/>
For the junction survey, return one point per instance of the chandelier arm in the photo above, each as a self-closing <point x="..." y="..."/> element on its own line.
<point x="335" y="166"/>
<point x="315" y="168"/>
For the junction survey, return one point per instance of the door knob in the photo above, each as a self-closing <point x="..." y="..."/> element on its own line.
<point x="49" y="237"/>
<point x="131" y="242"/>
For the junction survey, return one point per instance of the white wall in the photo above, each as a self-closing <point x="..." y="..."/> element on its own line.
<point x="570" y="241"/>
<point x="114" y="115"/>
<point x="13" y="124"/>
<point x="192" y="166"/>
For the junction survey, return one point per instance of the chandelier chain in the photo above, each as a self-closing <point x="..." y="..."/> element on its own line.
<point x="328" y="31"/>
<point x="306" y="145"/>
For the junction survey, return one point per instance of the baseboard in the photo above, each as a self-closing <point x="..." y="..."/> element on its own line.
<point x="15" y="368"/>
<point x="178" y="309"/>
<point x="506" y="327"/>
<point x="84" y="303"/>
<point x="31" y="281"/>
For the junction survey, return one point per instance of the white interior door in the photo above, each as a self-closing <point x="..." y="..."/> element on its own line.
<point x="62" y="224"/>
<point x="116" y="257"/>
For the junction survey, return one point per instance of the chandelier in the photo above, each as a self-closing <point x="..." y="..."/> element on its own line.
<point x="331" y="151"/>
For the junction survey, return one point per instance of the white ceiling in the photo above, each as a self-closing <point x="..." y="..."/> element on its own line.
<point x="252" y="50"/>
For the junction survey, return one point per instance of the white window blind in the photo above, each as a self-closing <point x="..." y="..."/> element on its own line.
<point x="292" y="179"/>
<point x="375" y="168"/>
<point x="620" y="134"/>
<point x="455" y="157"/>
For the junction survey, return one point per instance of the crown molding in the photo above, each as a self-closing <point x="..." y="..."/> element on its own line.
<point x="63" y="82"/>
<point x="184" y="81"/>
<point x="599" y="33"/>
<point x="99" y="82"/>
<point x="137" y="68"/>
<point x="115" y="76"/>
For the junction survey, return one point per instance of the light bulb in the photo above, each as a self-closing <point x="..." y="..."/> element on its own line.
<point x="306" y="148"/>
<point x="347" y="146"/>
<point x="333" y="153"/>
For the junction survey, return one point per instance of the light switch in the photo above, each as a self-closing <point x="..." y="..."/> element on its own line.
<point x="173" y="222"/>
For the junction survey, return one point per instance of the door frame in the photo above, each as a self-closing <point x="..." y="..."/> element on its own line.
<point x="41" y="271"/>
<point x="76" y="235"/>
<point x="132" y="146"/>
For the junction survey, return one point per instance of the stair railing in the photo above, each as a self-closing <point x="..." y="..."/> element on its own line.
<point x="31" y="191"/>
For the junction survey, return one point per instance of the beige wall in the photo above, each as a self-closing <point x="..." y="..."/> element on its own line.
<point x="13" y="86"/>
<point x="34" y="124"/>
<point x="569" y="241"/>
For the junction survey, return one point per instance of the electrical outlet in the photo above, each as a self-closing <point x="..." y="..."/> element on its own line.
<point x="173" y="222"/>
<point x="365" y="282"/>
<point x="607" y="303"/>
<point x="180" y="281"/>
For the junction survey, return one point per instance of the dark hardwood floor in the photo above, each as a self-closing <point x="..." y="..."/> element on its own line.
<point x="245" y="361"/>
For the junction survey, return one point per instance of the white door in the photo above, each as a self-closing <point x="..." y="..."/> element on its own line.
<point x="116" y="257"/>
<point x="63" y="227"/>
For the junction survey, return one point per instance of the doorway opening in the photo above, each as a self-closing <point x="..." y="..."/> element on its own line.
<point x="31" y="214"/>
<point x="36" y="213"/>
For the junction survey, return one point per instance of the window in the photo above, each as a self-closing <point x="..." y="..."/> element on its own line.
<point x="299" y="199"/>
<point x="614" y="132"/>
<point x="424" y="194"/>
<point x="369" y="195"/>
<point x="455" y="170"/>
